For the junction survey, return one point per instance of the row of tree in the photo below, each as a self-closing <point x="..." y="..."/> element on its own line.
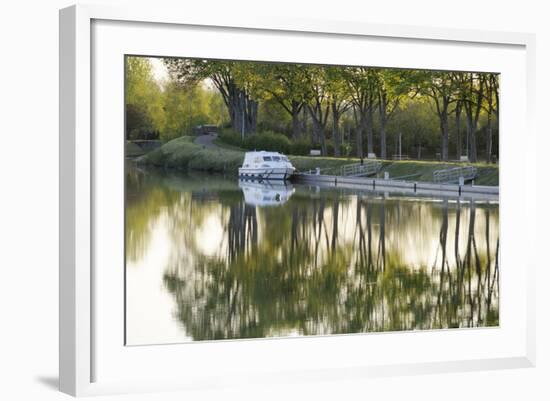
<point x="368" y="96"/>
<point x="164" y="109"/>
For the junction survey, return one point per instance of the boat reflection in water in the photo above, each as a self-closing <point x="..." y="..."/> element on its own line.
<point x="265" y="192"/>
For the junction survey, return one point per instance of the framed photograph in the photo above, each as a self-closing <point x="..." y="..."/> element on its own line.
<point x="287" y="200"/>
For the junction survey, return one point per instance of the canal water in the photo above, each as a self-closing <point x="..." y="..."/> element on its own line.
<point x="209" y="257"/>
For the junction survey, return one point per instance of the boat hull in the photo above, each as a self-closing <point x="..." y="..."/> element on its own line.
<point x="281" y="173"/>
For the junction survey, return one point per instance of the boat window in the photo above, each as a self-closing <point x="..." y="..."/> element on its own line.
<point x="284" y="158"/>
<point x="276" y="158"/>
<point x="267" y="158"/>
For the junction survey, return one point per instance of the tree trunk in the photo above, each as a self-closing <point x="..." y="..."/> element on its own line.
<point x="382" y="105"/>
<point x="471" y="123"/>
<point x="444" y="136"/>
<point x="304" y="120"/>
<point x="473" y="115"/>
<point x="321" y="135"/>
<point x="489" y="132"/>
<point x="472" y="128"/>
<point x="473" y="141"/>
<point x="243" y="112"/>
<point x="458" y="111"/>
<point x="489" y="139"/>
<point x="442" y="112"/>
<point x="359" y="132"/>
<point x="370" y="139"/>
<point x="322" y="139"/>
<point x="295" y="113"/>
<point x="319" y="119"/>
<point x="314" y="134"/>
<point x="359" y="141"/>
<point x="251" y="115"/>
<point x="335" y="130"/>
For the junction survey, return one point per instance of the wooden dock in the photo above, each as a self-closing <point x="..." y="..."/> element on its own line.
<point x="476" y="192"/>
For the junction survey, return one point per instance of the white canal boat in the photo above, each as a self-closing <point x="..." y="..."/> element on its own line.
<point x="266" y="166"/>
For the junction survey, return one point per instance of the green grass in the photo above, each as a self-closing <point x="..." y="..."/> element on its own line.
<point x="182" y="153"/>
<point x="416" y="170"/>
<point x="221" y="144"/>
<point x="304" y="163"/>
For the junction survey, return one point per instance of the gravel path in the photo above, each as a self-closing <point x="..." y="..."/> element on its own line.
<point x="206" y="140"/>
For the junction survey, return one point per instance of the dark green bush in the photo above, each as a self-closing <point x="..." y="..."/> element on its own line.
<point x="272" y="141"/>
<point x="268" y="140"/>
<point x="300" y="147"/>
<point x="230" y="137"/>
<point x="143" y="133"/>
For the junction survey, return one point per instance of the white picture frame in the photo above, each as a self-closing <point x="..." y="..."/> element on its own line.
<point x="86" y="352"/>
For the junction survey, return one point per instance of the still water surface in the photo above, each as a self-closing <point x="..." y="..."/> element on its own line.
<point x="210" y="258"/>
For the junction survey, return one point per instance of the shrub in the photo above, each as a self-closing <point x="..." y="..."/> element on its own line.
<point x="143" y="133"/>
<point x="300" y="147"/>
<point x="346" y="149"/>
<point x="268" y="141"/>
<point x="230" y="137"/>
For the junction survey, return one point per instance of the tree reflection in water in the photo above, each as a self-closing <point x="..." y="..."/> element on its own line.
<point x="324" y="262"/>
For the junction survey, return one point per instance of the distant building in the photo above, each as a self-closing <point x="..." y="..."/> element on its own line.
<point x="205" y="129"/>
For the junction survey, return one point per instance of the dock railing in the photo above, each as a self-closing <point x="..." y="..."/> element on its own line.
<point x="453" y="175"/>
<point x="368" y="167"/>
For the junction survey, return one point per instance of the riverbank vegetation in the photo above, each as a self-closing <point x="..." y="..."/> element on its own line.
<point x="341" y="111"/>
<point x="162" y="109"/>
<point x="181" y="153"/>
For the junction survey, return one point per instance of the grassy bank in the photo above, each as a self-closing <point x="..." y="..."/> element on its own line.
<point x="414" y="170"/>
<point x="182" y="153"/>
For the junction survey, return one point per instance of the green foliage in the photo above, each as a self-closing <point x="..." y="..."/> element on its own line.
<point x="414" y="119"/>
<point x="170" y="111"/>
<point x="268" y="140"/>
<point x="301" y="147"/>
<point x="294" y="108"/>
<point x="188" y="107"/>
<point x="182" y="153"/>
<point x="273" y="117"/>
<point x="144" y="109"/>
<point x="138" y="122"/>
<point x="230" y="137"/>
